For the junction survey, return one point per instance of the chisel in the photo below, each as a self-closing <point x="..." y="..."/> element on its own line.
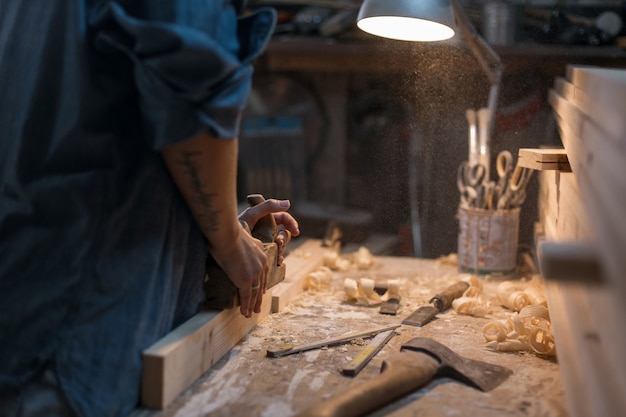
<point x="289" y="349"/>
<point x="368" y="352"/>
<point x="438" y="303"/>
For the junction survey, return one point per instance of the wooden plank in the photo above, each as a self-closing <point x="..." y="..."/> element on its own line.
<point x="544" y="159"/>
<point x="599" y="167"/>
<point x="561" y="208"/>
<point x="605" y="115"/>
<point x="176" y="361"/>
<point x="588" y="374"/>
<point x="302" y="261"/>
<point x="604" y="85"/>
<point x="573" y="219"/>
<point x="590" y="335"/>
<point x="585" y="317"/>
<point x="571" y="261"/>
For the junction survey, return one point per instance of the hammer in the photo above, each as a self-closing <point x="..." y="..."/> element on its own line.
<point x="419" y="361"/>
<point x="221" y="292"/>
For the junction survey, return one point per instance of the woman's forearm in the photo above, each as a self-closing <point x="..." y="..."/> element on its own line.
<point x="205" y="171"/>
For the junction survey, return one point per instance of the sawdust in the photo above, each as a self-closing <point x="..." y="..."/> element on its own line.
<point x="247" y="380"/>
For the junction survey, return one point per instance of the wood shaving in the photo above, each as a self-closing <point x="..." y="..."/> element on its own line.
<point x="470" y="303"/>
<point x="393" y="288"/>
<point x="476" y="285"/>
<point x="471" y="306"/>
<point x="361" y="292"/>
<point x="529" y="330"/>
<point x="450" y="259"/>
<point x="319" y="280"/>
<point x="363" y="258"/>
<point x="518" y="295"/>
<point x="336" y="262"/>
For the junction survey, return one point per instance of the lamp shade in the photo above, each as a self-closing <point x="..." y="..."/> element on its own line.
<point x="407" y="20"/>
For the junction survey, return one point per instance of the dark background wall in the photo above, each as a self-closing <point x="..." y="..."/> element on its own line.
<point x="369" y="133"/>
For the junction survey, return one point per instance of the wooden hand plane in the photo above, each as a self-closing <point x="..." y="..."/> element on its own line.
<point x="220" y="290"/>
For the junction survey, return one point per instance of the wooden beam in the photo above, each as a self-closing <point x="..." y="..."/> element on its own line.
<point x="588" y="319"/>
<point x="605" y="115"/>
<point x="175" y="362"/>
<point x="307" y="258"/>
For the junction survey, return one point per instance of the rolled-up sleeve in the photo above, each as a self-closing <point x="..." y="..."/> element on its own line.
<point x="187" y="80"/>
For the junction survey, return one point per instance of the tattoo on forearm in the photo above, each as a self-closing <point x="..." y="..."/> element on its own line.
<point x="203" y="201"/>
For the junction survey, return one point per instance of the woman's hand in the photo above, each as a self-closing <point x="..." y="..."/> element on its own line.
<point x="287" y="224"/>
<point x="245" y="263"/>
<point x="244" y="260"/>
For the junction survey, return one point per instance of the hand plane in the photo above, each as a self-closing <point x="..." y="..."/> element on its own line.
<point x="220" y="291"/>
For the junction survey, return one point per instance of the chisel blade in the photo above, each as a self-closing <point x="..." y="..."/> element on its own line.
<point x="421" y="316"/>
<point x="390" y="306"/>
<point x="438" y="303"/>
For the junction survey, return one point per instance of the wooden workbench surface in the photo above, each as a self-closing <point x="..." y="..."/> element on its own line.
<point x="247" y="383"/>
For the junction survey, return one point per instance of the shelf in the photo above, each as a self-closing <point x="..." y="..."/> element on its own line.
<point x="319" y="54"/>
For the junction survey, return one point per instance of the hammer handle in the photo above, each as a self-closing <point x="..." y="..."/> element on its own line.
<point x="402" y="373"/>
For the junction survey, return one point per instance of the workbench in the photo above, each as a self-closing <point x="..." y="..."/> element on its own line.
<point x="245" y="382"/>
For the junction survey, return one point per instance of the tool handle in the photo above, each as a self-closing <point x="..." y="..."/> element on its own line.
<point x="401" y="374"/>
<point x="367" y="353"/>
<point x="265" y="228"/>
<point x="443" y="300"/>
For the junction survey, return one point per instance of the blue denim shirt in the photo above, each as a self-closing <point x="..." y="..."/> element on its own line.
<point x="99" y="256"/>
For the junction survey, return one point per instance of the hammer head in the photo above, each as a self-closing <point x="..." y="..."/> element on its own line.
<point x="481" y="375"/>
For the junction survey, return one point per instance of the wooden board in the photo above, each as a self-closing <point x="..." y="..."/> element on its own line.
<point x="305" y="259"/>
<point x="605" y="85"/>
<point x="599" y="164"/>
<point x="561" y="210"/>
<point x="605" y="115"/>
<point x="544" y="159"/>
<point x="175" y="362"/>
<point x="588" y="373"/>
<point x="588" y="318"/>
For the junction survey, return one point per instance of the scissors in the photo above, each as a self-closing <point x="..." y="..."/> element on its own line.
<point x="515" y="192"/>
<point x="469" y="182"/>
<point x="504" y="167"/>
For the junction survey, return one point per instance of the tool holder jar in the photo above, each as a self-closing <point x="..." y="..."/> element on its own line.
<point x="488" y="241"/>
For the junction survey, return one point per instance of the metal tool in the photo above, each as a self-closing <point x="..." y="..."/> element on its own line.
<point x="515" y="192"/>
<point x="220" y="290"/>
<point x="437" y="304"/>
<point x="390" y="306"/>
<point x="504" y="168"/>
<point x="367" y="353"/>
<point x="469" y="182"/>
<point x="289" y="349"/>
<point x="419" y="361"/>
